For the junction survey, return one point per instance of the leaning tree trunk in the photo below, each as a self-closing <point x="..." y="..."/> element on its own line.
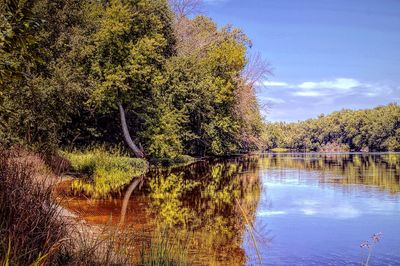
<point x="138" y="152"/>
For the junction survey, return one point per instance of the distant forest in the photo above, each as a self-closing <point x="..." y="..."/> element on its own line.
<point x="375" y="129"/>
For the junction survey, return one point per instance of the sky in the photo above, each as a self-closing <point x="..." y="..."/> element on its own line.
<point x="326" y="55"/>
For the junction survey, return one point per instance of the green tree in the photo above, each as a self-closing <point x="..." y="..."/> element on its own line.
<point x="129" y="47"/>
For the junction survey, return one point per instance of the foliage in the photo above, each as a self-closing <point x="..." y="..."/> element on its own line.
<point x="19" y="26"/>
<point x="104" y="173"/>
<point x="37" y="100"/>
<point x="181" y="81"/>
<point x="375" y="129"/>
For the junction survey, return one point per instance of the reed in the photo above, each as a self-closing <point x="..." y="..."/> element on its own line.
<point x="250" y="229"/>
<point x="164" y="250"/>
<point x="31" y="230"/>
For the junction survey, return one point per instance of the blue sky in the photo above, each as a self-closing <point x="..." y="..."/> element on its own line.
<point x="326" y="55"/>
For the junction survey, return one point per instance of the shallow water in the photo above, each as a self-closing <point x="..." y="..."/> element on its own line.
<point x="306" y="209"/>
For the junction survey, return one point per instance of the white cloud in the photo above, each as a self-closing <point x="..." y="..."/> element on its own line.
<point x="268" y="83"/>
<point x="308" y="93"/>
<point x="271" y="213"/>
<point x="308" y="211"/>
<point x="371" y="94"/>
<point x="332" y="88"/>
<point x="338" y="84"/>
<point x="264" y="98"/>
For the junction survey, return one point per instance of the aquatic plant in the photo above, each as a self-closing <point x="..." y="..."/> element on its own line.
<point x="369" y="245"/>
<point x="103" y="173"/>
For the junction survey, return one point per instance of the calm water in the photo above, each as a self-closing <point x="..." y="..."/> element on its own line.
<point x="306" y="209"/>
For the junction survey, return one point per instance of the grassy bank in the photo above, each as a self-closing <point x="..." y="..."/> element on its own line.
<point x="279" y="150"/>
<point x="101" y="173"/>
<point x="34" y="230"/>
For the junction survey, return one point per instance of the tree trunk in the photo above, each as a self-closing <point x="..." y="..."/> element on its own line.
<point x="138" y="152"/>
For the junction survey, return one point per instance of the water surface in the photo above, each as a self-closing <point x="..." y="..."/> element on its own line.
<point x="306" y="209"/>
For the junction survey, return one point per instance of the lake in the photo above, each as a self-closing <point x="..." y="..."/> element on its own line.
<point x="298" y="209"/>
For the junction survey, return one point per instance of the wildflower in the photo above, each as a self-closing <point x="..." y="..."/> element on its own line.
<point x="365" y="244"/>
<point x="376" y="237"/>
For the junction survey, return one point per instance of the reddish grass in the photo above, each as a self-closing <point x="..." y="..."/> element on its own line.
<point x="30" y="223"/>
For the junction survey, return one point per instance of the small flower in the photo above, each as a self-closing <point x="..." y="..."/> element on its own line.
<point x="365" y="244"/>
<point x="376" y="237"/>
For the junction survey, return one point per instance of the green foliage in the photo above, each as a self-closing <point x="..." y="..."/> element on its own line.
<point x="375" y="129"/>
<point x="128" y="49"/>
<point x="203" y="83"/>
<point x="104" y="173"/>
<point x="19" y="26"/>
<point x="35" y="105"/>
<point x="181" y="84"/>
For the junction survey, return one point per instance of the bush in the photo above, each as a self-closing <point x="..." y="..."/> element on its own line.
<point x="178" y="160"/>
<point x="31" y="230"/>
<point x="102" y="172"/>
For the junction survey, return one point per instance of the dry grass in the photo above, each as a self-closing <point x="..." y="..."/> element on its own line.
<point x="31" y="230"/>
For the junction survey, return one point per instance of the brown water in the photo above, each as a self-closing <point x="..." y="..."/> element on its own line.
<point x="307" y="209"/>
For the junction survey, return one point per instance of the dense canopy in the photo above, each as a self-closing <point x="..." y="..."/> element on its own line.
<point x="178" y="81"/>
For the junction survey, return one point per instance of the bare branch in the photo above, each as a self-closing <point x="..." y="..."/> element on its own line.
<point x="184" y="8"/>
<point x="256" y="70"/>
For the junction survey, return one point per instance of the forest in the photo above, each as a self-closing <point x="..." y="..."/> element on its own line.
<point x="375" y="129"/>
<point x="72" y="72"/>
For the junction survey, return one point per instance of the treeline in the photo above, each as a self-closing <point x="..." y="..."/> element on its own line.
<point x="71" y="71"/>
<point x="375" y="129"/>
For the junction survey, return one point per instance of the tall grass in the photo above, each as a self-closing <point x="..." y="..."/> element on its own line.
<point x="103" y="173"/>
<point x="31" y="231"/>
<point x="164" y="250"/>
<point x="127" y="246"/>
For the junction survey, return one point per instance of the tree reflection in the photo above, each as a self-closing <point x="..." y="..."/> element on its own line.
<point x="377" y="170"/>
<point x="201" y="201"/>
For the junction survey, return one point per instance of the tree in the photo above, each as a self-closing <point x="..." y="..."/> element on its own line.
<point x="129" y="47"/>
<point x="39" y="97"/>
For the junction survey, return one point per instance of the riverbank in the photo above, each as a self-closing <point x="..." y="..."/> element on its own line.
<point x="29" y="196"/>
